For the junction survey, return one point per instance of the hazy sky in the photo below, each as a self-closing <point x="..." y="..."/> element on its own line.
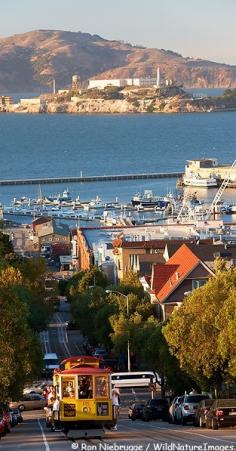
<point x="199" y="28"/>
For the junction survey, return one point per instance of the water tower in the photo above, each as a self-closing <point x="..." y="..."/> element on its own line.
<point x="75" y="82"/>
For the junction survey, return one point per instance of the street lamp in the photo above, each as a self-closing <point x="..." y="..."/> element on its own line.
<point x="127" y="310"/>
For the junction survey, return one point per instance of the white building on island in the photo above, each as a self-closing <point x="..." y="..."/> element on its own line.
<point x="122" y="82"/>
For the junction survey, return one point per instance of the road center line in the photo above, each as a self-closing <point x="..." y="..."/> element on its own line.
<point x="47" y="447"/>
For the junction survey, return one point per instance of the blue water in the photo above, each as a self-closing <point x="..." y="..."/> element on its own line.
<point x="34" y="146"/>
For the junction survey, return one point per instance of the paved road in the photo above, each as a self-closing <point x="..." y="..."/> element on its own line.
<point x="58" y="339"/>
<point x="32" y="435"/>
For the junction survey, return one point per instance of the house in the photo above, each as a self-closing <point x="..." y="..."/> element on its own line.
<point x="139" y="256"/>
<point x="170" y="282"/>
<point x="49" y="233"/>
<point x="38" y="221"/>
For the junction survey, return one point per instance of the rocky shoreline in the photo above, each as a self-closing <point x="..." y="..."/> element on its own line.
<point x="177" y="101"/>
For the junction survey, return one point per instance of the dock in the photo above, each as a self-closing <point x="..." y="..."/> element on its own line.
<point x="91" y="178"/>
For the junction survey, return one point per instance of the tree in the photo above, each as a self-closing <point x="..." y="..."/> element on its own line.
<point x="5" y="245"/>
<point x="20" y="354"/>
<point x="201" y="333"/>
<point x="94" y="277"/>
<point x="149" y="342"/>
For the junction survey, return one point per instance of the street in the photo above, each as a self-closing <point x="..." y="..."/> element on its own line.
<point x="32" y="434"/>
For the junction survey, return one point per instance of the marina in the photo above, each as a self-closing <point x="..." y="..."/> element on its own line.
<point x="142" y="208"/>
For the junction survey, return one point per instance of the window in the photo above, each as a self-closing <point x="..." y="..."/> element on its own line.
<point x="198" y="283"/>
<point x="101" y="387"/>
<point x="85" y="387"/>
<point x="68" y="388"/>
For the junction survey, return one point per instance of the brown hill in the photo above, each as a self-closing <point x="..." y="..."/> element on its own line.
<point x="32" y="60"/>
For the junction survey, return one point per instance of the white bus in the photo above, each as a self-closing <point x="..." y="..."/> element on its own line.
<point x="51" y="362"/>
<point x="135" y="379"/>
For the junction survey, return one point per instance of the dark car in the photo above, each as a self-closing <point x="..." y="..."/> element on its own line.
<point x="108" y="362"/>
<point x="221" y="413"/>
<point x="6" y="417"/>
<point x="136" y="411"/>
<point x="157" y="408"/>
<point x="71" y="325"/>
<point x="201" y="412"/>
<point x="16" y="413"/>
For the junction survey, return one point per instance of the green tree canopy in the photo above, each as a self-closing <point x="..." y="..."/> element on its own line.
<point x="201" y="333"/>
<point x="20" y="354"/>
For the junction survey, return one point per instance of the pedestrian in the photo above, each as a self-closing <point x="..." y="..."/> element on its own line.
<point x="115" y="406"/>
<point x="55" y="413"/>
<point x="51" y="396"/>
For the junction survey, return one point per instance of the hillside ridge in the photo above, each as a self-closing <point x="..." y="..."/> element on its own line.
<point x="31" y="60"/>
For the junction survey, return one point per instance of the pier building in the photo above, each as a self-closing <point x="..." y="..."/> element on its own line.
<point x="209" y="167"/>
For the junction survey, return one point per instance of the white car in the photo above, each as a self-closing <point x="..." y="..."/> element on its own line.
<point x="186" y="410"/>
<point x="172" y="410"/>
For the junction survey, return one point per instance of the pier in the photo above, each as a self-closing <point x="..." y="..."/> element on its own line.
<point x="91" y="178"/>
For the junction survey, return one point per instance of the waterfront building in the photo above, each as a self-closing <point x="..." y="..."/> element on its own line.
<point x="5" y="101"/>
<point x="209" y="167"/>
<point x="35" y="101"/>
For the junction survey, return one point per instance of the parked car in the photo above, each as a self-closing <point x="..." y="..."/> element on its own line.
<point x="30" y="402"/>
<point x="99" y="352"/>
<point x="13" y="419"/>
<point x="185" y="411"/>
<point x="221" y="413"/>
<point x="6" y="417"/>
<point x="17" y="414"/>
<point x="201" y="412"/>
<point x="33" y="389"/>
<point x="107" y="361"/>
<point x="157" y="408"/>
<point x="2" y="427"/>
<point x="172" y="410"/>
<point x="136" y="411"/>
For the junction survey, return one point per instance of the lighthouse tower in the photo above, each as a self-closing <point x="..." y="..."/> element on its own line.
<point x="158" y="77"/>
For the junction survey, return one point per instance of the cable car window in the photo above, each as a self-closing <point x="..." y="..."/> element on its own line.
<point x="68" y="388"/>
<point x="101" y="387"/>
<point x="85" y="387"/>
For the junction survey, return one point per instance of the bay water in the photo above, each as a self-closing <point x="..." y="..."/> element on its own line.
<point x="37" y="146"/>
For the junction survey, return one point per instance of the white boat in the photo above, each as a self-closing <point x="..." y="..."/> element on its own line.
<point x="150" y="200"/>
<point x="232" y="208"/>
<point x="197" y="181"/>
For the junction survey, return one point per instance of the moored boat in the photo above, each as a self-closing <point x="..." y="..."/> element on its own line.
<point x="150" y="200"/>
<point x="199" y="182"/>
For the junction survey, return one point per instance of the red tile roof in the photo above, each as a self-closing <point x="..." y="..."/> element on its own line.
<point x="161" y="274"/>
<point x="167" y="277"/>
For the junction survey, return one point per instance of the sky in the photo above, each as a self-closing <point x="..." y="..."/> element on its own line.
<point x="194" y="28"/>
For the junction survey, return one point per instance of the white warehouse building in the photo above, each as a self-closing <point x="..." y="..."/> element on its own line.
<point x="122" y="82"/>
